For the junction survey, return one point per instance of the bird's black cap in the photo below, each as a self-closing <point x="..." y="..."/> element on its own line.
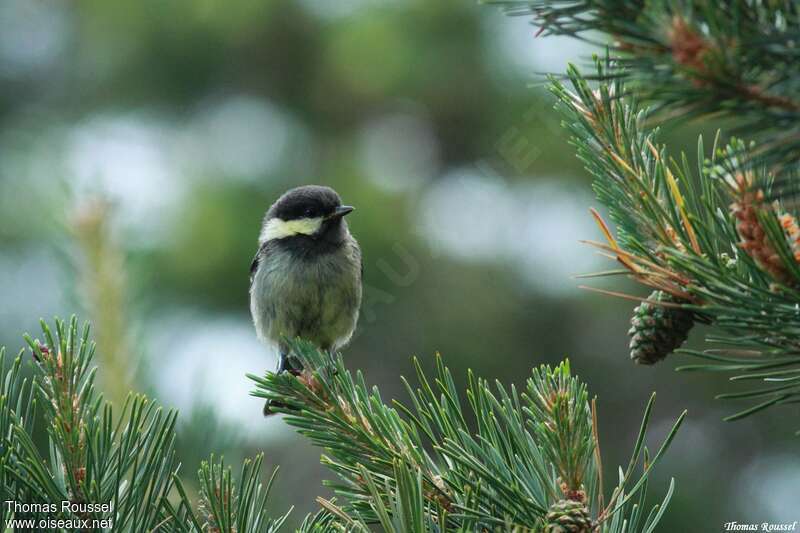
<point x="308" y="201"/>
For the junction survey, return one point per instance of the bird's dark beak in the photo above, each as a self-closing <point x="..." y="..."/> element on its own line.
<point x="341" y="211"/>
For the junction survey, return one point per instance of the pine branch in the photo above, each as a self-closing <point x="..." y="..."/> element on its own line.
<point x="516" y="467"/>
<point x="712" y="239"/>
<point x="697" y="58"/>
<point x="91" y="453"/>
<point x="117" y="473"/>
<point x="225" y="506"/>
<point x="406" y="509"/>
<point x="17" y="410"/>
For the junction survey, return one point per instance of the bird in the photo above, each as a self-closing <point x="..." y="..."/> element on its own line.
<point x="305" y="278"/>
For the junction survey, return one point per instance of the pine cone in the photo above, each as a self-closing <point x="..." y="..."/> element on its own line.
<point x="567" y="516"/>
<point x="657" y="330"/>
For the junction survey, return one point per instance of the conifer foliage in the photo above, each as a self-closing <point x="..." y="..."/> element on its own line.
<point x="716" y="243"/>
<point x="719" y="240"/>
<point x="494" y="458"/>
<point x="99" y="470"/>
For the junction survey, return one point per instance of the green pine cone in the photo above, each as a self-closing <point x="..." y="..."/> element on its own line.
<point x="656" y="331"/>
<point x="568" y="516"/>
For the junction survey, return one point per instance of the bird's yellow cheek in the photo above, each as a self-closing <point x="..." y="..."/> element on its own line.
<point x="279" y="229"/>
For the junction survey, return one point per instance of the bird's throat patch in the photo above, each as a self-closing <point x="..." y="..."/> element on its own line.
<point x="277" y="228"/>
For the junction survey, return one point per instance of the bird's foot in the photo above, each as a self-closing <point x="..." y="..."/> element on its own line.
<point x="285" y="366"/>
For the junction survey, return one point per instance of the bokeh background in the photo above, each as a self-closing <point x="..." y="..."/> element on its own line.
<point x="141" y="143"/>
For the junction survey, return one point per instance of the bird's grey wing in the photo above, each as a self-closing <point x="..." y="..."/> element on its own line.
<point x="254" y="264"/>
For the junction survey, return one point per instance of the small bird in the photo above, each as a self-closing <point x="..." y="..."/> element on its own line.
<point x="305" y="280"/>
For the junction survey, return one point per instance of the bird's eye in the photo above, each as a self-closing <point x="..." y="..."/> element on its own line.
<point x="309" y="212"/>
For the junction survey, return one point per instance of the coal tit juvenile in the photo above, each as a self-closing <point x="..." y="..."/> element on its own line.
<point x="305" y="279"/>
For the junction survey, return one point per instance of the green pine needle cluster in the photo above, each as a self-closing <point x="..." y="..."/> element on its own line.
<point x="493" y="458"/>
<point x="696" y="58"/>
<point x="713" y="237"/>
<point x="92" y="457"/>
<point x="497" y="459"/>
<point x="722" y="240"/>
